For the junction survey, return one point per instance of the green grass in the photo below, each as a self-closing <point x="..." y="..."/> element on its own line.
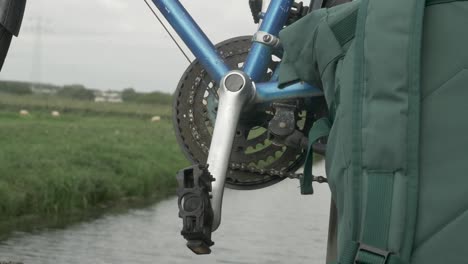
<point x="51" y="166"/>
<point x="9" y="102"/>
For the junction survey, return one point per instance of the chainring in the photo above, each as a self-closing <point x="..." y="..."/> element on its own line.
<point x="194" y="112"/>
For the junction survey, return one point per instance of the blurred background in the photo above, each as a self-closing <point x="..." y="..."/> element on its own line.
<point x="88" y="154"/>
<point x="112" y="44"/>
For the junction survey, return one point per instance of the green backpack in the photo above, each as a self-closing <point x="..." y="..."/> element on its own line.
<point x="395" y="78"/>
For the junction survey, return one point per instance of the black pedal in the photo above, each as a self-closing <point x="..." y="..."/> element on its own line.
<point x="195" y="207"/>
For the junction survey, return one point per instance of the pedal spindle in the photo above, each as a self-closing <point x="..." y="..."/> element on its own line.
<point x="195" y="207"/>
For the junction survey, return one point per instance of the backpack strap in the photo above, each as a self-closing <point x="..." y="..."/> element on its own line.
<point x="386" y="109"/>
<point x="320" y="129"/>
<point x="436" y="2"/>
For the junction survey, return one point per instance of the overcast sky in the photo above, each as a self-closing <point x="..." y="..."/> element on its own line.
<point x="112" y="44"/>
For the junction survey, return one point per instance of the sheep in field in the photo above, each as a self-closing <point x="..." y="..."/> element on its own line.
<point x="24" y="113"/>
<point x="155" y="119"/>
<point x="55" y="113"/>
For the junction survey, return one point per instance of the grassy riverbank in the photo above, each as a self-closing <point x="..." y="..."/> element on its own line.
<point x="83" y="159"/>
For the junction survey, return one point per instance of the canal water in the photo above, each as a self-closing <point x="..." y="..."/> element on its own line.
<point x="272" y="225"/>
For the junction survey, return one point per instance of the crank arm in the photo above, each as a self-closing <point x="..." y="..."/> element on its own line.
<point x="201" y="187"/>
<point x="236" y="90"/>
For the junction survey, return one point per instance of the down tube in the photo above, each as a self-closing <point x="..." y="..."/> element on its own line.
<point x="260" y="54"/>
<point x="193" y="36"/>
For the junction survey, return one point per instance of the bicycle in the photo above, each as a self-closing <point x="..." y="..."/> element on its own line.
<point x="233" y="122"/>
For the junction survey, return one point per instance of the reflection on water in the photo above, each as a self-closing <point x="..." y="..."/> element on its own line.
<point x="273" y="225"/>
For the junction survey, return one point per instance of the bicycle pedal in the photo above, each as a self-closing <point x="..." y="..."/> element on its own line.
<point x="195" y="207"/>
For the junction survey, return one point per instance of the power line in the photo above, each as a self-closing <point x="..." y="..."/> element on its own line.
<point x="168" y="32"/>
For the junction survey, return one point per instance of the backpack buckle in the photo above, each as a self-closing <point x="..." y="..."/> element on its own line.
<point x="366" y="249"/>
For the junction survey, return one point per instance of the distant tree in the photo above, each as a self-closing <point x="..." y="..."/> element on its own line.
<point x="20" y="88"/>
<point x="76" y="91"/>
<point x="129" y="95"/>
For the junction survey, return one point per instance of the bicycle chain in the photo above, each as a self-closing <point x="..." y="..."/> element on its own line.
<point x="262" y="172"/>
<point x="272" y="172"/>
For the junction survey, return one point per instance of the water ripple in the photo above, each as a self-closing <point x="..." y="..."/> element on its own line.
<point x="273" y="225"/>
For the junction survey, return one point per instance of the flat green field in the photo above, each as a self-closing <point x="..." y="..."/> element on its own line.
<point x="82" y="159"/>
<point x="10" y="102"/>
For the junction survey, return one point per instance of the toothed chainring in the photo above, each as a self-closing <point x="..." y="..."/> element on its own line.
<point x="195" y="107"/>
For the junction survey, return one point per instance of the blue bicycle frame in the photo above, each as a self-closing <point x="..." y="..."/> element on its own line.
<point x="236" y="89"/>
<point x="258" y="59"/>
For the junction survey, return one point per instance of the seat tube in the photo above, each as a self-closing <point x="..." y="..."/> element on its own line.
<point x="259" y="56"/>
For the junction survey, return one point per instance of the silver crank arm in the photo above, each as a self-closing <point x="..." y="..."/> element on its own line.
<point x="235" y="91"/>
